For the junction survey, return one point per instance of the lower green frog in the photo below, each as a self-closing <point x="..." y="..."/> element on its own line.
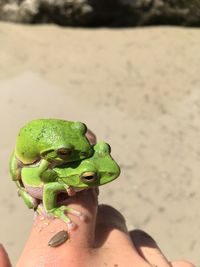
<point x="71" y="178"/>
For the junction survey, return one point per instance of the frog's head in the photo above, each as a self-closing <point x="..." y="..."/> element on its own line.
<point x="57" y="141"/>
<point x="94" y="171"/>
<point x="71" y="145"/>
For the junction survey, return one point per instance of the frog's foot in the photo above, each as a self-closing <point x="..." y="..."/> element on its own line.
<point x="42" y="212"/>
<point x="61" y="214"/>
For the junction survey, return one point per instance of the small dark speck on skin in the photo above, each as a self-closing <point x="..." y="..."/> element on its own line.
<point x="116" y="265"/>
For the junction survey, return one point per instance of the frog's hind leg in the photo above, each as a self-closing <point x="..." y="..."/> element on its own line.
<point x="30" y="201"/>
<point x="15" y="171"/>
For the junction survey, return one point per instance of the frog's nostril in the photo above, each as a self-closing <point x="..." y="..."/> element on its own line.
<point x="89" y="177"/>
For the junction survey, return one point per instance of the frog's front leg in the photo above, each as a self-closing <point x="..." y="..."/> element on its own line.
<point x="30" y="201"/>
<point x="50" y="192"/>
<point x="43" y="167"/>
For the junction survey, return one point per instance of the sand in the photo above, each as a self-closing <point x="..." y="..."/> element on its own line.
<point x="139" y="90"/>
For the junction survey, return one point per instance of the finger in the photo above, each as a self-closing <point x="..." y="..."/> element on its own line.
<point x="45" y="228"/>
<point x="110" y="223"/>
<point x="182" y="264"/>
<point x="91" y="137"/>
<point x="4" y="260"/>
<point x="113" y="240"/>
<point x="148" y="249"/>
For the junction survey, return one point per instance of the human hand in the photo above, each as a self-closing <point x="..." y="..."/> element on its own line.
<point x="102" y="240"/>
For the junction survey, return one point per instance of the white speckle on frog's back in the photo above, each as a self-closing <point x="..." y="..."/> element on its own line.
<point x="36" y="192"/>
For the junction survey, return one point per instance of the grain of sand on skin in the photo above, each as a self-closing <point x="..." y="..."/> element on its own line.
<point x="139" y="90"/>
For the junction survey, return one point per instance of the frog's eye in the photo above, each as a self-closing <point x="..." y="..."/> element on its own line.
<point x="89" y="177"/>
<point x="64" y="151"/>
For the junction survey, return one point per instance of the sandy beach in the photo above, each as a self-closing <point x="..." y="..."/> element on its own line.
<point x="137" y="89"/>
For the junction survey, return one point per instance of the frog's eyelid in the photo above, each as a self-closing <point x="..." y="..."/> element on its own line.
<point x="47" y="152"/>
<point x="64" y="151"/>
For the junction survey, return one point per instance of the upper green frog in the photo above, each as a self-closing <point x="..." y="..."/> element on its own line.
<point x="54" y="140"/>
<point x="49" y="143"/>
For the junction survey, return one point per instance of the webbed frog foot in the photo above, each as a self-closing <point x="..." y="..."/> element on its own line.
<point x="61" y="214"/>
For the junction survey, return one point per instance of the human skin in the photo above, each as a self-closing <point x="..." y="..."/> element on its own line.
<point x="102" y="240"/>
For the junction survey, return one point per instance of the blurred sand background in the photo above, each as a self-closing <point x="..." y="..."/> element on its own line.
<point x="139" y="90"/>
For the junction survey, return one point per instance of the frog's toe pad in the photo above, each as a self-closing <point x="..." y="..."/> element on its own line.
<point x="79" y="214"/>
<point x="71" y="226"/>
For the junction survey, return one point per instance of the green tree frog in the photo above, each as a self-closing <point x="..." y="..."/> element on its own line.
<point x="49" y="143"/>
<point x="54" y="156"/>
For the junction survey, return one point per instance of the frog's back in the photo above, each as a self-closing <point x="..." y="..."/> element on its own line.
<point x="46" y="134"/>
